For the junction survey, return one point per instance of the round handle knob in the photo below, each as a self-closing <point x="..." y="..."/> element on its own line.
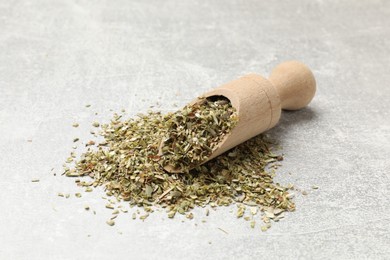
<point x="294" y="83"/>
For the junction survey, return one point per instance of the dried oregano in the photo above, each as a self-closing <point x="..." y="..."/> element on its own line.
<point x="128" y="164"/>
<point x="194" y="131"/>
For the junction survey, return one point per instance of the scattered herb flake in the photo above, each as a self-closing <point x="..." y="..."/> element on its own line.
<point x="110" y="222"/>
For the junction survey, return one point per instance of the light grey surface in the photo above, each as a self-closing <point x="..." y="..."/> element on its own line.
<point x="58" y="56"/>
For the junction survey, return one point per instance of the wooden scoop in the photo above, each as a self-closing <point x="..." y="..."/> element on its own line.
<point x="259" y="102"/>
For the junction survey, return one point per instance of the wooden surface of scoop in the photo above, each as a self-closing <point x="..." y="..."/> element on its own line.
<point x="259" y="101"/>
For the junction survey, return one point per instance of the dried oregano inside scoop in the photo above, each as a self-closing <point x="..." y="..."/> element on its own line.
<point x="128" y="165"/>
<point x="194" y="131"/>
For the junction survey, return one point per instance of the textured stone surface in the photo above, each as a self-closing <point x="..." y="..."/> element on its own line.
<point x="58" y="56"/>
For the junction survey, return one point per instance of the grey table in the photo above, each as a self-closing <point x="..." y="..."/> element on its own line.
<point x="57" y="56"/>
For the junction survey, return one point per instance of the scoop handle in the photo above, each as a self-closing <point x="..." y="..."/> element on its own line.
<point x="295" y="84"/>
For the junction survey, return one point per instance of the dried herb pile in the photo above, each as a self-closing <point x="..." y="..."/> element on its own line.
<point x="127" y="163"/>
<point x="194" y="131"/>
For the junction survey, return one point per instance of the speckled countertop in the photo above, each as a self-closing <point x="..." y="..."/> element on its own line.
<point x="56" y="56"/>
